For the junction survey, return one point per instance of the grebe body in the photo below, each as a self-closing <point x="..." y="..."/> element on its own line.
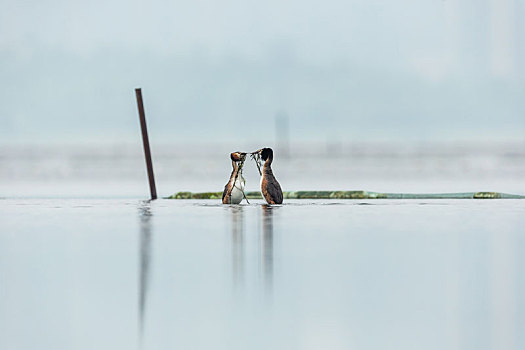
<point x="234" y="190"/>
<point x="237" y="193"/>
<point x="270" y="188"/>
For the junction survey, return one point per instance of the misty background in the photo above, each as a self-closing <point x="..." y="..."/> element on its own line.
<point x="223" y="70"/>
<point x="404" y="96"/>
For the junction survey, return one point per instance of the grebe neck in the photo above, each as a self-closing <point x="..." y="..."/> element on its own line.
<point x="267" y="167"/>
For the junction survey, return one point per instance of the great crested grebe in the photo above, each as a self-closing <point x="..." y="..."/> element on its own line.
<point x="270" y="188"/>
<point x="234" y="189"/>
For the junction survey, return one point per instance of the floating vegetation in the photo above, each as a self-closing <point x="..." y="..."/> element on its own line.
<point x="201" y="195"/>
<point x="485" y="195"/>
<point x="207" y="195"/>
<point x="256" y="157"/>
<point x="355" y="195"/>
<point x="254" y="195"/>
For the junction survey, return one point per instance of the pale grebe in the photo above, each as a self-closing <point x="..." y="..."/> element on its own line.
<point x="234" y="189"/>
<point x="270" y="188"/>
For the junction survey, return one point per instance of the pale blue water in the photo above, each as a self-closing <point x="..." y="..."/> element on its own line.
<point x="383" y="274"/>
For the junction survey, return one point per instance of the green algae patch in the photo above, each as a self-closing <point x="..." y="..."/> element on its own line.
<point x="200" y="195"/>
<point x="486" y="195"/>
<point x="357" y="195"/>
<point x="207" y="195"/>
<point x="306" y="195"/>
<point x="332" y="195"/>
<point x="181" y="195"/>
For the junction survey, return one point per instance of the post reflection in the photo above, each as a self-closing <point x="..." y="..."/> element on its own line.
<point x="267" y="246"/>
<point x="145" y="216"/>
<point x="237" y="228"/>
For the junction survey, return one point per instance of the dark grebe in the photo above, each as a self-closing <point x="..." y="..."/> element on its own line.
<point x="234" y="189"/>
<point x="270" y="188"/>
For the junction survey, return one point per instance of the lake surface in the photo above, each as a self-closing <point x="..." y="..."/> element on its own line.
<point x="310" y="274"/>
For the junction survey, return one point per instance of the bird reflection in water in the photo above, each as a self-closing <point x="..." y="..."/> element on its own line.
<point x="267" y="246"/>
<point x="145" y="216"/>
<point x="237" y="216"/>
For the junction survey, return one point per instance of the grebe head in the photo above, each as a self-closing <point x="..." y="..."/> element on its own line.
<point x="266" y="153"/>
<point x="238" y="156"/>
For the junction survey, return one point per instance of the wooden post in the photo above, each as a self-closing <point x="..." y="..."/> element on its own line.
<point x="145" y="142"/>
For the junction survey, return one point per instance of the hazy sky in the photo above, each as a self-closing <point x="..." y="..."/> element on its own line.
<point x="217" y="70"/>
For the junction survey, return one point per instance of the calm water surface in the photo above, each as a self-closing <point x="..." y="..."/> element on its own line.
<point x="129" y="274"/>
